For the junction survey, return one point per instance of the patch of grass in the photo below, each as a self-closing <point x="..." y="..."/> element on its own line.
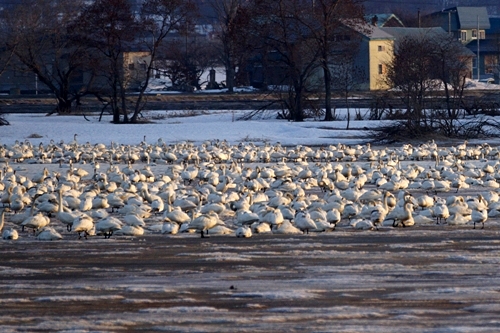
<point x="35" y="136"/>
<point x="185" y="113"/>
<point x="250" y="139"/>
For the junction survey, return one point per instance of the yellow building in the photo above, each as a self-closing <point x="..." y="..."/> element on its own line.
<point x="375" y="52"/>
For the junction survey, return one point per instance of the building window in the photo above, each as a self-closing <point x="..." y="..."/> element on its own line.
<point x="143" y="66"/>
<point x="131" y="66"/>
<point x="381" y="48"/>
<point x="381" y="69"/>
<point x="482" y="35"/>
<point x="474" y="33"/>
<point x="463" y="35"/>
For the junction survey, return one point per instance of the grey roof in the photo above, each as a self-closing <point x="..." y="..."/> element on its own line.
<point x="366" y="30"/>
<point x="469" y="17"/>
<point x="485" y="46"/>
<point x="435" y="33"/>
<point x="369" y="31"/>
<point x="400" y="33"/>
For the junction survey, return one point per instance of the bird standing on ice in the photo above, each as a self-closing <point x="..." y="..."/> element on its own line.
<point x="479" y="216"/>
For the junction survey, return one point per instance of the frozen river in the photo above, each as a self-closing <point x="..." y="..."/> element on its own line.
<point x="420" y="279"/>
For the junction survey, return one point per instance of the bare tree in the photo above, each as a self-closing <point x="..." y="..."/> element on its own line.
<point x="451" y="64"/>
<point x="5" y="58"/>
<point x="112" y="29"/>
<point x="158" y="18"/>
<point x="6" y="54"/>
<point x="333" y="38"/>
<point x="36" y="33"/>
<point x="109" y="28"/>
<point x="346" y="77"/>
<point x="424" y="63"/>
<point x="185" y="60"/>
<point x="231" y="23"/>
<point x="283" y="26"/>
<point x="409" y="74"/>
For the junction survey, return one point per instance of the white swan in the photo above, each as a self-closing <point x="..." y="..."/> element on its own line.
<point x="243" y="232"/>
<point x="35" y="222"/>
<point x="170" y="228"/>
<point x="286" y="228"/>
<point x="405" y="219"/>
<point x="441" y="211"/>
<point x="458" y="219"/>
<point x="303" y="222"/>
<point x="362" y="224"/>
<point x="134" y="220"/>
<point x="107" y="226"/>
<point x="477" y="203"/>
<point x="350" y="210"/>
<point x="204" y="222"/>
<point x="261" y="227"/>
<point x="218" y="208"/>
<point x="65" y="217"/>
<point x="48" y="234"/>
<point x="459" y="207"/>
<point x="47" y="207"/>
<point x="8" y="233"/>
<point x="220" y="230"/>
<point x="425" y="201"/>
<point x="83" y="224"/>
<point x="246" y="217"/>
<point x="322" y="226"/>
<point x="479" y="216"/>
<point x="86" y="204"/>
<point x="176" y="215"/>
<point x="273" y="216"/>
<point x="130" y="230"/>
<point x="333" y="216"/>
<point x="379" y="212"/>
<point x="157" y="206"/>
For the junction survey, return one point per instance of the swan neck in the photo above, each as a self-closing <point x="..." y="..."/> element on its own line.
<point x="60" y="208"/>
<point x="2" y="219"/>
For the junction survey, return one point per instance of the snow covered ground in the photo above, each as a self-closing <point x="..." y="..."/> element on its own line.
<point x="178" y="126"/>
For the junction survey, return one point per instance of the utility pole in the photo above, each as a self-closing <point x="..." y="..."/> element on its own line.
<point x="449" y="22"/>
<point x="477" y="37"/>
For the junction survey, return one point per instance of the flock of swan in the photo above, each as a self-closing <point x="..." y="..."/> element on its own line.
<point x="84" y="190"/>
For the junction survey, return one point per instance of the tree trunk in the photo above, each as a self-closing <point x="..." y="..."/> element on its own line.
<point x="348" y="111"/>
<point x="230" y="79"/>
<point x="328" y="93"/>
<point x="124" y="106"/>
<point x="116" y="115"/>
<point x="64" y="106"/>
<point x="298" y="111"/>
